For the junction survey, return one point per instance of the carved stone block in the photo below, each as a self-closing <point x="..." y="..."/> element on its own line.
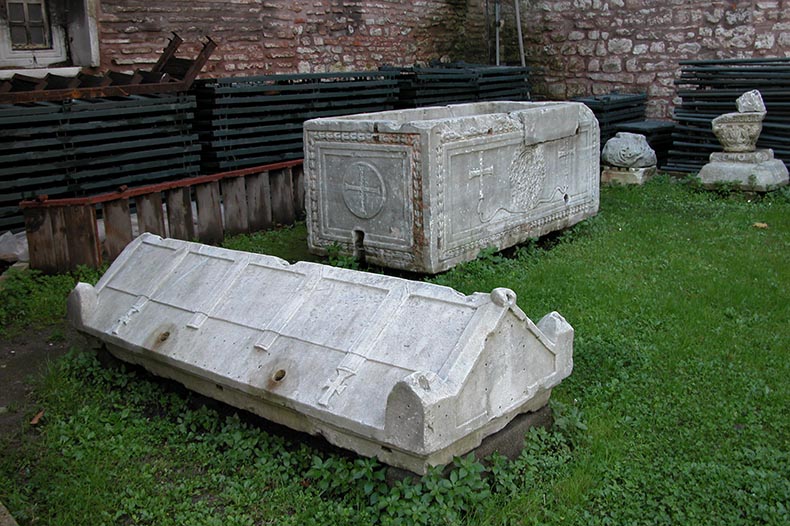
<point x="628" y="150"/>
<point x="740" y="162"/>
<point x="409" y="372"/>
<point x="427" y="188"/>
<point x="756" y="171"/>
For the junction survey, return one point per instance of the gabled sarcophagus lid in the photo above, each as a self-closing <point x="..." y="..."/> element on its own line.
<point x="409" y="372"/>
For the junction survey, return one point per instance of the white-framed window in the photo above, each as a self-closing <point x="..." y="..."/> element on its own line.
<point x="42" y="33"/>
<point x="28" y="24"/>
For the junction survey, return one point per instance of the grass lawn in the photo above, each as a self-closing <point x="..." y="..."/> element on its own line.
<point x="676" y="412"/>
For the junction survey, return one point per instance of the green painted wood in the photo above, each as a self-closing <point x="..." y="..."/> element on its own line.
<point x="99" y="184"/>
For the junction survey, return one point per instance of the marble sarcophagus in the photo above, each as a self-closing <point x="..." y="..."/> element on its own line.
<point x="410" y="372"/>
<point x="424" y="189"/>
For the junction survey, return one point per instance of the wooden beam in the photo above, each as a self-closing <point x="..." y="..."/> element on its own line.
<point x="209" y="213"/>
<point x="117" y="227"/>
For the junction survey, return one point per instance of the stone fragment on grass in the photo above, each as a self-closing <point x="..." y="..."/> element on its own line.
<point x="628" y="150"/>
<point x="627" y="158"/>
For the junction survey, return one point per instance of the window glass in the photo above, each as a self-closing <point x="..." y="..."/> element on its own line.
<point x="16" y="12"/>
<point x="28" y="24"/>
<point x="37" y="37"/>
<point x="35" y="13"/>
<point x="18" y="34"/>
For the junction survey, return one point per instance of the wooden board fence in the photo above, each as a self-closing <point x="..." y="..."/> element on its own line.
<point x="64" y="233"/>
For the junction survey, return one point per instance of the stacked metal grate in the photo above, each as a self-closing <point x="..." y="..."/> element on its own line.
<point x="78" y="147"/>
<point x="503" y="83"/>
<point x="460" y="82"/>
<point x="709" y="88"/>
<point x="249" y="121"/>
<point x="614" y="109"/>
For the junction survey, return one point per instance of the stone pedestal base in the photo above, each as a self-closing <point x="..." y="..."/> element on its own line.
<point x="757" y="171"/>
<point x="614" y="174"/>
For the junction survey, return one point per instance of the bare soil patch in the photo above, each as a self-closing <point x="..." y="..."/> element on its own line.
<point x="23" y="360"/>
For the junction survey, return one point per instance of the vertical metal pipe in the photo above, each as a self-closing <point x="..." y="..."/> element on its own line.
<point x="497" y="21"/>
<point x="488" y="33"/>
<point x="520" y="37"/>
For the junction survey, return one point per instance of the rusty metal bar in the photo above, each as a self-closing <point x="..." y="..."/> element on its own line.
<point x="159" y="79"/>
<point x="43" y="201"/>
<point x="168" y="53"/>
<point x="87" y="93"/>
<point x="200" y="61"/>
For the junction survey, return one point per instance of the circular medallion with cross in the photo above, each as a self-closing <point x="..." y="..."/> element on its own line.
<point x="364" y="192"/>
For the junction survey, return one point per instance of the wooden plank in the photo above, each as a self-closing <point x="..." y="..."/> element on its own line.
<point x="38" y="228"/>
<point x="259" y="201"/>
<point x="179" y="214"/>
<point x="60" y="241"/>
<point x="83" y="236"/>
<point x="234" y="198"/>
<point x="117" y="227"/>
<point x="209" y="213"/>
<point x="282" y="196"/>
<point x="298" y="190"/>
<point x="150" y="217"/>
<point x="159" y="187"/>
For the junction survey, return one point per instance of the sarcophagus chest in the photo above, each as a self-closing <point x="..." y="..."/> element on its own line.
<point x="424" y="189"/>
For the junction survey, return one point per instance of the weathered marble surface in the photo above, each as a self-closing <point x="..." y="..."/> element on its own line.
<point x="427" y="188"/>
<point x="409" y="372"/>
<point x="741" y="162"/>
<point x="763" y="175"/>
<point x="628" y="150"/>
<point x="638" y="176"/>
<point x="750" y="102"/>
<point x="739" y="131"/>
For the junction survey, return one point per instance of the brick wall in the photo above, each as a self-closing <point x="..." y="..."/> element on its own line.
<point x="584" y="47"/>
<point x="595" y="46"/>
<point x="281" y="36"/>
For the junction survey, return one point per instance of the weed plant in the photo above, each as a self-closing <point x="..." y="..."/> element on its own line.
<point x="278" y="242"/>
<point x="676" y="412"/>
<point x="30" y="299"/>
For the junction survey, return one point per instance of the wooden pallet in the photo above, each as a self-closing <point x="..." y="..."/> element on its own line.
<point x="64" y="233"/>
